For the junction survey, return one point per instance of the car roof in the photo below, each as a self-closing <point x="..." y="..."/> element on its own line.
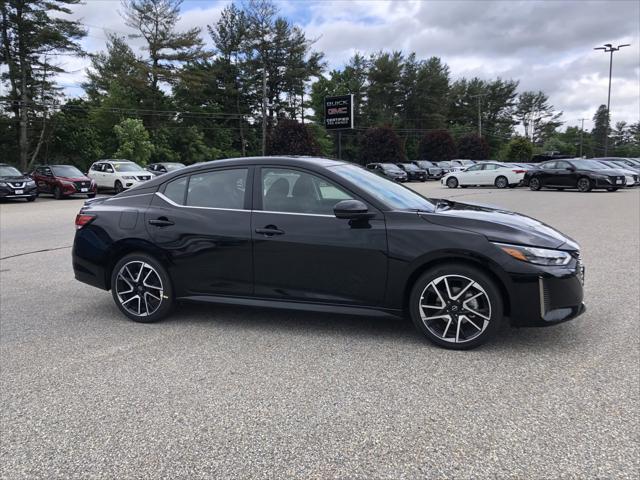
<point x="114" y="160"/>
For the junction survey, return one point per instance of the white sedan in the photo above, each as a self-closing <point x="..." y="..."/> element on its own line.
<point x="501" y="175"/>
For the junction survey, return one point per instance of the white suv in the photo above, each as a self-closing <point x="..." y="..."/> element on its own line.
<point x="117" y="174"/>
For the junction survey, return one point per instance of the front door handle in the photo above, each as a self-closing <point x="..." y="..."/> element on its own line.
<point x="161" y="222"/>
<point x="269" y="230"/>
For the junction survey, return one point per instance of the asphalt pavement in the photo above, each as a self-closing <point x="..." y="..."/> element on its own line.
<point x="234" y="392"/>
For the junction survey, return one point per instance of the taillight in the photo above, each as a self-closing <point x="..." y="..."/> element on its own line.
<point x="519" y="171"/>
<point x="82" y="220"/>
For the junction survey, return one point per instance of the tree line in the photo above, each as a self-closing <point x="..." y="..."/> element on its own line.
<point x="259" y="88"/>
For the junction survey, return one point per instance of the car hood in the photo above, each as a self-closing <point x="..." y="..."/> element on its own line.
<point x="74" y="179"/>
<point x="499" y="225"/>
<point x="16" y="178"/>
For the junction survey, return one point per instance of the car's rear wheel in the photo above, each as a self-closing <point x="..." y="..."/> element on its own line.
<point x="535" y="184"/>
<point x="501" y="182"/>
<point x="584" y="184"/>
<point x="141" y="288"/>
<point x="118" y="187"/>
<point x="452" y="182"/>
<point x="57" y="193"/>
<point x="31" y="199"/>
<point x="456" y="306"/>
<point x="611" y="189"/>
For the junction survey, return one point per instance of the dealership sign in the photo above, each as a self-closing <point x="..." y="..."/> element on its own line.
<point x="338" y="112"/>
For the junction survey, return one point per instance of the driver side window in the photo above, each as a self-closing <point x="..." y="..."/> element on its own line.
<point x="294" y="191"/>
<point x="474" y="168"/>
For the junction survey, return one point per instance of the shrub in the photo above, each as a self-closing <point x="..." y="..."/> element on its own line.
<point x="437" y="146"/>
<point x="381" y="144"/>
<point x="290" y="137"/>
<point x="473" y="147"/>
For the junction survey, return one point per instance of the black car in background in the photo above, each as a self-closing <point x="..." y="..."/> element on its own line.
<point x="389" y="170"/>
<point x="433" y="170"/>
<point x="413" y="172"/>
<point x="14" y="184"/>
<point x="326" y="236"/>
<point x="164" y="167"/>
<point x="585" y="175"/>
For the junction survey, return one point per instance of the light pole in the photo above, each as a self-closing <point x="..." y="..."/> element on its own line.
<point x="479" y="97"/>
<point x="608" y="48"/>
<point x="581" y="132"/>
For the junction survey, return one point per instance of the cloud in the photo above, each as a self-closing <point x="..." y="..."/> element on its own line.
<point x="546" y="45"/>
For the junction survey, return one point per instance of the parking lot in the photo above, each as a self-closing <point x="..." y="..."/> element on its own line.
<point x="233" y="392"/>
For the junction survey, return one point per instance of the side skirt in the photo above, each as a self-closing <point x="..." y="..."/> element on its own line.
<point x="292" y="305"/>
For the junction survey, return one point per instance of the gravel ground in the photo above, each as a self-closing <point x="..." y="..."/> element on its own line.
<point x="232" y="392"/>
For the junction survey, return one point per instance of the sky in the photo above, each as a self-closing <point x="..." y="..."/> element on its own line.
<point x="546" y="45"/>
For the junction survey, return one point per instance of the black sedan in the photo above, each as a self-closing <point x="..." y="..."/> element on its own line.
<point x="326" y="236"/>
<point x="585" y="175"/>
<point x="389" y="170"/>
<point x="432" y="169"/>
<point x="14" y="184"/>
<point x="413" y="172"/>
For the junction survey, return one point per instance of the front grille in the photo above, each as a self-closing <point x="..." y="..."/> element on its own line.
<point x="144" y="177"/>
<point x="17" y="184"/>
<point x="82" y="184"/>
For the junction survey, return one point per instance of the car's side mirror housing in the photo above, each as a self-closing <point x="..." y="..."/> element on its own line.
<point x="352" y="210"/>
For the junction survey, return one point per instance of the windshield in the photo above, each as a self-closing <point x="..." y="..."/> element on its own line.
<point x="67" y="171"/>
<point x="388" y="192"/>
<point x="7" y="171"/>
<point x="127" y="167"/>
<point x="444" y="164"/>
<point x="424" y="164"/>
<point x="173" y="166"/>
<point x="592" y="164"/>
<point x="468" y="163"/>
<point x="410" y="166"/>
<point x="391" y="167"/>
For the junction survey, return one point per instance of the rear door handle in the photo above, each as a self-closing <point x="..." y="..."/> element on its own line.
<point x="161" y="222"/>
<point x="270" y="230"/>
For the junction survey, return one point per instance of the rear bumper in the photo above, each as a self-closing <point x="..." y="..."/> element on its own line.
<point x="89" y="258"/>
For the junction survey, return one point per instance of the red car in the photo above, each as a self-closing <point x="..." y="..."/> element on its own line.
<point x="63" y="181"/>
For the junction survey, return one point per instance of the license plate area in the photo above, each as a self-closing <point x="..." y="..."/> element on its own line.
<point x="84" y="189"/>
<point x="19" y="192"/>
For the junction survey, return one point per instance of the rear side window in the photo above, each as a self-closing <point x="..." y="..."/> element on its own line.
<point x="548" y="166"/>
<point x="218" y="189"/>
<point x="175" y="191"/>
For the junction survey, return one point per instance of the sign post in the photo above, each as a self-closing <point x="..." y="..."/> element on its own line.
<point x="338" y="115"/>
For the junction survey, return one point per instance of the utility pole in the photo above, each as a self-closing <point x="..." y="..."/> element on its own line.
<point x="581" y="132"/>
<point x="479" y="97"/>
<point x="264" y="109"/>
<point x="608" y="48"/>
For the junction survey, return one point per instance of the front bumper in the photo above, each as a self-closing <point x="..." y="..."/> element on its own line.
<point x="609" y="182"/>
<point x="554" y="295"/>
<point x="24" y="192"/>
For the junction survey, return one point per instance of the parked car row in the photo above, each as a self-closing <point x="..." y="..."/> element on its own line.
<point x="582" y="174"/>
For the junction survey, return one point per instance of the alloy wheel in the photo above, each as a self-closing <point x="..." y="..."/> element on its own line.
<point x="452" y="182"/>
<point x="139" y="288"/>
<point x="502" y="182"/>
<point x="534" y="184"/>
<point x="455" y="308"/>
<point x="584" y="184"/>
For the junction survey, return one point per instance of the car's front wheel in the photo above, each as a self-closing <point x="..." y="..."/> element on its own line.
<point x="456" y="306"/>
<point x="452" y="182"/>
<point x="118" y="187"/>
<point x="141" y="288"/>
<point x="612" y="189"/>
<point x="57" y="193"/>
<point x="584" y="184"/>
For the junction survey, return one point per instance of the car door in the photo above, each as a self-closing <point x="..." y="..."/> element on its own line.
<point x="471" y="176"/>
<point x="302" y="252"/>
<point x="98" y="174"/>
<point x="41" y="180"/>
<point x="108" y="176"/>
<point x="546" y="172"/>
<point x="564" y="175"/>
<point x="202" y="223"/>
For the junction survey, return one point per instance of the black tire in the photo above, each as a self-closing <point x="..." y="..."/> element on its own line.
<point x="57" y="193"/>
<point x="31" y="199"/>
<point x="535" y="184"/>
<point x="452" y="182"/>
<point x="91" y="195"/>
<point x="165" y="293"/>
<point x="513" y="185"/>
<point x="584" y="184"/>
<point x="612" y="189"/>
<point x="501" y="182"/>
<point x="118" y="187"/>
<point x="492" y="299"/>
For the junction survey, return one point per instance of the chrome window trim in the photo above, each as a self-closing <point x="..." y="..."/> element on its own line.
<point x="171" y="202"/>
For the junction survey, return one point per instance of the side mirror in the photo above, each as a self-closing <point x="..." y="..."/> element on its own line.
<point x="352" y="210"/>
<point x="571" y="169"/>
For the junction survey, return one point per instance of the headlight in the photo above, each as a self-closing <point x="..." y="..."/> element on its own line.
<point x="3" y="184"/>
<point x="539" y="256"/>
<point x="31" y="183"/>
<point x="128" y="177"/>
<point x="601" y="177"/>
